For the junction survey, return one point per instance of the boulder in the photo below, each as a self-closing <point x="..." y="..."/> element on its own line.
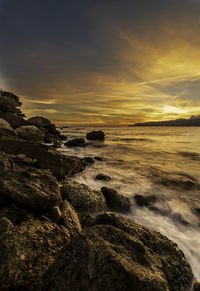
<point x="5" y="125"/>
<point x="30" y="133"/>
<point x="82" y="198"/>
<point x="95" y="135"/>
<point x="102" y="177"/>
<point x="70" y="219"/>
<point x="100" y="159"/>
<point x="47" y="158"/>
<point x="89" y="160"/>
<point x="77" y="142"/>
<point x="27" y="250"/>
<point x="15" y="121"/>
<point x="30" y="188"/>
<point x="5" y="225"/>
<point x="147" y="201"/>
<point x="116" y="201"/>
<point x="118" y="254"/>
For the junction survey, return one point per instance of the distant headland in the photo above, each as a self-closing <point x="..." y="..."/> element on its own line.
<point x="192" y="121"/>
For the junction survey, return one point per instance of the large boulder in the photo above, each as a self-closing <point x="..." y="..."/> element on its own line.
<point x="115" y="201"/>
<point x="27" y="250"/>
<point x="69" y="218"/>
<point x="43" y="123"/>
<point x="15" y="121"/>
<point x="30" y="188"/>
<point x="47" y="158"/>
<point x="118" y="254"/>
<point x="5" y="125"/>
<point x="82" y="198"/>
<point x="30" y="133"/>
<point x="95" y="135"/>
<point x="77" y="142"/>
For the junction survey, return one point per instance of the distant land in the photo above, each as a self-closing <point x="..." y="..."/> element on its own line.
<point x="192" y="121"/>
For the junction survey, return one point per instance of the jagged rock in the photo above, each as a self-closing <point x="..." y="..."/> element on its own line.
<point x="5" y="125"/>
<point x="27" y="250"/>
<point x="30" y="188"/>
<point x="70" y="219"/>
<point x="14" y="120"/>
<point x="102" y="177"/>
<point x="82" y="198"/>
<point x="47" y="158"/>
<point x="95" y="135"/>
<point x="116" y="201"/>
<point x="30" y="133"/>
<point x="77" y="142"/>
<point x="118" y="254"/>
<point x="5" y="224"/>
<point x="55" y="214"/>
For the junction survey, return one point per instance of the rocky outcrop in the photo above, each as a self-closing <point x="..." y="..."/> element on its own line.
<point x="116" y="201"/>
<point x="5" y="125"/>
<point x="27" y="250"/>
<point x="77" y="142"/>
<point x="30" y="133"/>
<point x="15" y="121"/>
<point x="95" y="135"/>
<point x="82" y="198"/>
<point x="43" y="124"/>
<point x="118" y="254"/>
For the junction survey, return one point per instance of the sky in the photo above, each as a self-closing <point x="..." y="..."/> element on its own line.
<point x="102" y="62"/>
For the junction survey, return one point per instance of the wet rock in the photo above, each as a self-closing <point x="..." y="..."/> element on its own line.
<point x="99" y="159"/>
<point x="77" y="142"/>
<point x="197" y="286"/>
<point x="5" y="225"/>
<point x="177" y="217"/>
<point x="62" y="137"/>
<point x="118" y="254"/>
<point x="30" y="133"/>
<point x="102" y="177"/>
<point x="47" y="158"/>
<point x="5" y="125"/>
<point x="15" y="121"/>
<point x="27" y="251"/>
<point x="82" y="198"/>
<point x="31" y="188"/>
<point x="55" y="214"/>
<point x="116" y="201"/>
<point x="56" y="144"/>
<point x="95" y="135"/>
<point x="145" y="201"/>
<point x="70" y="219"/>
<point x="89" y="160"/>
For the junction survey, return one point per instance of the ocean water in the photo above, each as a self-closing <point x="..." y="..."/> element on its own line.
<point x="159" y="161"/>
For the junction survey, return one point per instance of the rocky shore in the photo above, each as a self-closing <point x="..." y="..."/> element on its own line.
<point x="57" y="234"/>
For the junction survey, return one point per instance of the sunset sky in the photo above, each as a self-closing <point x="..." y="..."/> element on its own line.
<point x="102" y="62"/>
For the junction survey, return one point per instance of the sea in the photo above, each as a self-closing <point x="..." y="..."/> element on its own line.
<point x="163" y="162"/>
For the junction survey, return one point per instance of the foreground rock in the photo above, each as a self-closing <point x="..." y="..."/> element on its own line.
<point x="117" y="254"/>
<point x="77" y="142"/>
<point x="5" y="125"/>
<point x="27" y="250"/>
<point x="30" y="133"/>
<point x="95" y="135"/>
<point x="15" y="121"/>
<point x="47" y="158"/>
<point x="82" y="198"/>
<point x="116" y="201"/>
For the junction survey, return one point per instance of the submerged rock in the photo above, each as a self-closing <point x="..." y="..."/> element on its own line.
<point x="147" y="201"/>
<point x="30" y="133"/>
<point x="118" y="254"/>
<point x="77" y="142"/>
<point x="27" y="250"/>
<point x="116" y="201"/>
<point x="95" y="135"/>
<point x="82" y="198"/>
<point x="102" y="177"/>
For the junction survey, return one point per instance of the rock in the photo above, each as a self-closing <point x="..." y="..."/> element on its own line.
<point x="43" y="124"/>
<point x="30" y="161"/>
<point x="145" y="201"/>
<point x="31" y="188"/>
<point x="118" y="254"/>
<point x="102" y="177"/>
<point x="77" y="142"/>
<point x="6" y="163"/>
<point x="95" y="135"/>
<point x="82" y="198"/>
<point x="56" y="144"/>
<point x="62" y="137"/>
<point x="197" y="286"/>
<point x="27" y="251"/>
<point x="5" y="225"/>
<point x="16" y="214"/>
<point x="15" y="121"/>
<point x="116" y="201"/>
<point x="70" y="219"/>
<point x="21" y="156"/>
<point x="89" y="160"/>
<point x="177" y="217"/>
<point x="55" y="214"/>
<point x="47" y="158"/>
<point x="5" y="125"/>
<point x="99" y="159"/>
<point x="30" y="133"/>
